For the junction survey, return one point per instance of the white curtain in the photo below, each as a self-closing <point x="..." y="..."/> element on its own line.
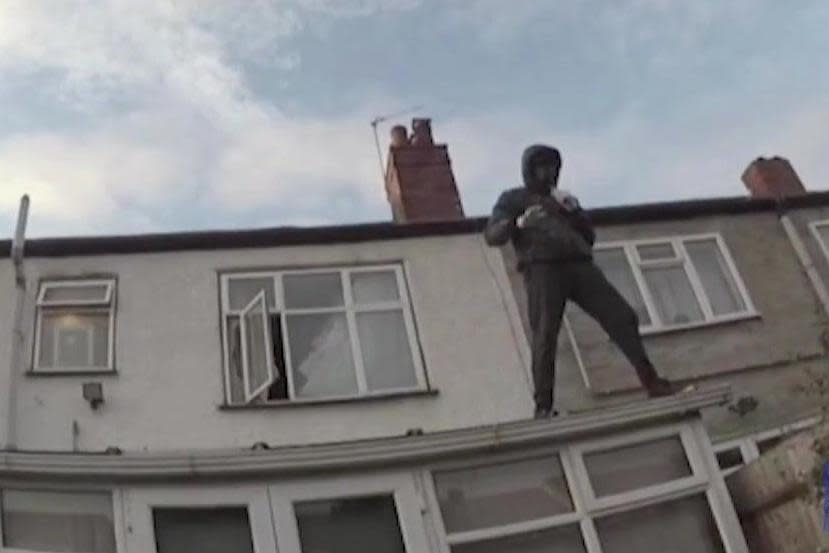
<point x="59" y="522"/>
<point x="671" y="291"/>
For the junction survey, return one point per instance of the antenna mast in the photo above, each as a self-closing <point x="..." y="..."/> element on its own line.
<point x="380" y="119"/>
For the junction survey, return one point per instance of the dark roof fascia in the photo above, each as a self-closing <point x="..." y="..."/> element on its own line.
<point x="366" y="232"/>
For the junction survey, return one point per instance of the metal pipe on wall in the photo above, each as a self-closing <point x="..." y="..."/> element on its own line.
<point x="18" y="336"/>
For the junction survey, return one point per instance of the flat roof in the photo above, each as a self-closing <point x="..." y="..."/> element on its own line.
<point x="366" y="232"/>
<point x="364" y="454"/>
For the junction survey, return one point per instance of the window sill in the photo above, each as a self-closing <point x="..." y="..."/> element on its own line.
<point x="701" y="324"/>
<point x="329" y="401"/>
<point x="51" y="373"/>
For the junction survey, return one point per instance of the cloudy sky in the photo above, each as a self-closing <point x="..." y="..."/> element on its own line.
<point x="144" y="116"/>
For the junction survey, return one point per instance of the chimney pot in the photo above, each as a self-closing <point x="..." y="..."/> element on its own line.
<point x="422" y="132"/>
<point x="772" y="178"/>
<point x="399" y="136"/>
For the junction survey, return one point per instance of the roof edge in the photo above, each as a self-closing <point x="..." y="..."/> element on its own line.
<point x="355" y="455"/>
<point x="365" y="232"/>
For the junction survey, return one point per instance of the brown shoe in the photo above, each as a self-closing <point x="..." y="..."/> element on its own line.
<point x="660" y="387"/>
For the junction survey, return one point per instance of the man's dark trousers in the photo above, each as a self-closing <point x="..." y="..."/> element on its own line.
<point x="549" y="285"/>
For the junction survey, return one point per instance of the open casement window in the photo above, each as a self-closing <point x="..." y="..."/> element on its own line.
<point x="75" y="326"/>
<point x="257" y="354"/>
<point x="677" y="282"/>
<point x="331" y="333"/>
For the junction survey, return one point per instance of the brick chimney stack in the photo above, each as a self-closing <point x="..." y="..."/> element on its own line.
<point x="772" y="178"/>
<point x="420" y="184"/>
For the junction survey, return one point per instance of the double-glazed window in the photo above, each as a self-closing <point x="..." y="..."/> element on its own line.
<point x="676" y="282"/>
<point x="616" y="495"/>
<point x="357" y="514"/>
<point x="324" y="333"/>
<point x="733" y="454"/>
<point x="75" y="326"/>
<point x="75" y="522"/>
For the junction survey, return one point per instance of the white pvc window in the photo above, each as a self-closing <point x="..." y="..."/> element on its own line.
<point x="363" y="513"/>
<point x="734" y="454"/>
<point x="75" y="326"/>
<point x="678" y="282"/>
<point x="820" y="229"/>
<point x="318" y="334"/>
<point x="257" y="354"/>
<point x="354" y="514"/>
<point x="631" y="492"/>
<point x="57" y="521"/>
<point x="201" y="519"/>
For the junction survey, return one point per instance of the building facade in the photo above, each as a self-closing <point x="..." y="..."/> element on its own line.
<point x="367" y="387"/>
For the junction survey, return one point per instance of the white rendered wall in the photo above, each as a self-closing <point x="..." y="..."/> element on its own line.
<point x="169" y="384"/>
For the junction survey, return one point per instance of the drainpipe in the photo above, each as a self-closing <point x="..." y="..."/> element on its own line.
<point x="18" y="337"/>
<point x="806" y="261"/>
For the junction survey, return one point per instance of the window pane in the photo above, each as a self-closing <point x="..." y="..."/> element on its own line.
<point x="730" y="458"/>
<point x="279" y="389"/>
<point x="374" y="287"/>
<point x="682" y="526"/>
<point x="673" y="295"/>
<point x="362" y="525"/>
<point x="234" y="345"/>
<point x="92" y="292"/>
<point x="321" y="355"/>
<point x="313" y="290"/>
<point x="565" y="539"/>
<point x="716" y="278"/>
<point x="240" y="291"/>
<point x="202" y="530"/>
<point x="257" y="342"/>
<point x="636" y="466"/>
<point x="78" y="340"/>
<point x="502" y="494"/>
<point x="653" y="252"/>
<point x="823" y="231"/>
<point x="64" y="522"/>
<point x="615" y="266"/>
<point x="387" y="357"/>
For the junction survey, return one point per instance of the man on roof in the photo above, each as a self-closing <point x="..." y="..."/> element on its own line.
<point x="553" y="239"/>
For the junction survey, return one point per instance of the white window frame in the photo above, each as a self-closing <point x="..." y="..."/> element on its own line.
<point x="258" y="301"/>
<point x="749" y="445"/>
<point x="513" y="528"/>
<point x="116" y="495"/>
<point x="349" y="308"/>
<point x="696" y="480"/>
<point x="141" y="501"/>
<point x="401" y="486"/>
<point x="815" y="226"/>
<point x="681" y="259"/>
<point x="105" y="305"/>
<point x="704" y="482"/>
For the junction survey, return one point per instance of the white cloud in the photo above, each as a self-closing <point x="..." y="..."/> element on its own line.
<point x="193" y="127"/>
<point x="195" y="137"/>
<point x="633" y="160"/>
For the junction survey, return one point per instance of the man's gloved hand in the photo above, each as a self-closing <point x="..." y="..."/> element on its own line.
<point x="565" y="199"/>
<point x="531" y="216"/>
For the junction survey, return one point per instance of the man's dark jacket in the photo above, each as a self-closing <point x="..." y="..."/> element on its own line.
<point x="561" y="236"/>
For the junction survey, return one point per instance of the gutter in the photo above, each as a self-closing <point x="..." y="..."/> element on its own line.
<point x="18" y="337"/>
